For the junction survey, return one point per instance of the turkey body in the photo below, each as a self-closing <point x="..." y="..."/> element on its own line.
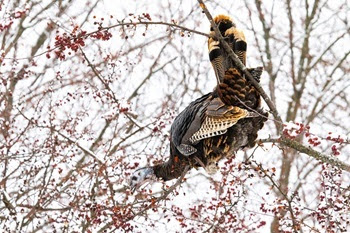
<point x="234" y="127"/>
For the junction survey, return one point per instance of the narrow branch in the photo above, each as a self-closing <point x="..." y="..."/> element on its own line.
<point x="86" y="150"/>
<point x="240" y="65"/>
<point x="6" y="200"/>
<point x="98" y="75"/>
<point x="285" y="195"/>
<point x="152" y="71"/>
<point x="155" y="23"/>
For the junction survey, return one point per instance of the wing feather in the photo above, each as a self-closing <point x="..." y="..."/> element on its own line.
<point x="218" y="125"/>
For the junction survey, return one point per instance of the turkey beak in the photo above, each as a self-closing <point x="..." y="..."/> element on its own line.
<point x="135" y="186"/>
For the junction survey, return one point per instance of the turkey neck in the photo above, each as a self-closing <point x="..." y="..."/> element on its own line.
<point x="174" y="167"/>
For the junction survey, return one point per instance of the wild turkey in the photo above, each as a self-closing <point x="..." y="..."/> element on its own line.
<point x="215" y="125"/>
<point x="210" y="128"/>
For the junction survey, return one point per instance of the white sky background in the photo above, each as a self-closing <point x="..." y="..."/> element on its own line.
<point x="159" y="88"/>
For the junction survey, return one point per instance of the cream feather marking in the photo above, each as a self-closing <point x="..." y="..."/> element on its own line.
<point x="214" y="126"/>
<point x="237" y="41"/>
<point x="238" y="36"/>
<point x="218" y="62"/>
<point x="220" y="70"/>
<point x="213" y="44"/>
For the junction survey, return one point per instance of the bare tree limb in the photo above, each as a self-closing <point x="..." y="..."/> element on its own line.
<point x="173" y="25"/>
<point x="307" y="150"/>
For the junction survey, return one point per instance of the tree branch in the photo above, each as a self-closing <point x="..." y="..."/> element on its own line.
<point x="173" y="25"/>
<point x="307" y="150"/>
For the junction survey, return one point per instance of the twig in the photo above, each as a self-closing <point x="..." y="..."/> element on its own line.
<point x="98" y="75"/>
<point x="285" y="195"/>
<point x="152" y="71"/>
<point x="86" y="150"/>
<point x="6" y="200"/>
